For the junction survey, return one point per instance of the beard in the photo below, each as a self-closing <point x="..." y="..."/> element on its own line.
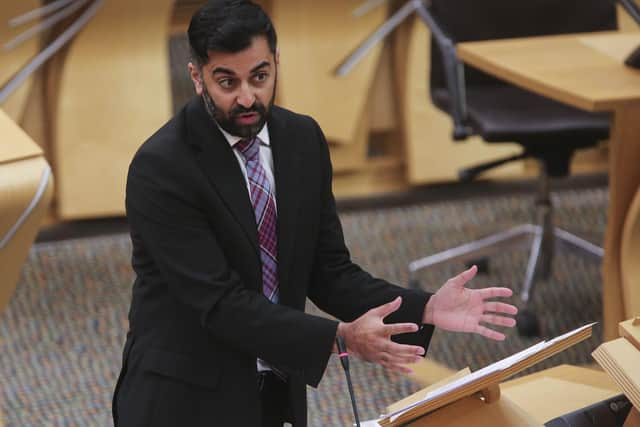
<point x="227" y="120"/>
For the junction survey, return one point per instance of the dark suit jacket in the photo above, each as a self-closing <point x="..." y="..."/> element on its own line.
<point x="198" y="318"/>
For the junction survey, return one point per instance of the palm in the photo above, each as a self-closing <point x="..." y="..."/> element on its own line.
<point x="460" y="309"/>
<point x="457" y="308"/>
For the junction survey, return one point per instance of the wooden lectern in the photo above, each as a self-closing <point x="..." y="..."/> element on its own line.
<point x="620" y="358"/>
<point x="468" y="398"/>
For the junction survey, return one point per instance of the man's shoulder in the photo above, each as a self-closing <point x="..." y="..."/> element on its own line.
<point x="167" y="144"/>
<point x="291" y="118"/>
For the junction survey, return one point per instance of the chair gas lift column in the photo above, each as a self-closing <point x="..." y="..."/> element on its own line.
<point x="499" y="112"/>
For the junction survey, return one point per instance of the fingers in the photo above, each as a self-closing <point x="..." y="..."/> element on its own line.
<point x="500" y="307"/>
<point x="400" y="328"/>
<point x="461" y="279"/>
<point x="398" y="363"/>
<point x="388" y="308"/>
<point x="402" y="350"/>
<point x="489" y="333"/>
<point x="495" y="292"/>
<point x="498" y="320"/>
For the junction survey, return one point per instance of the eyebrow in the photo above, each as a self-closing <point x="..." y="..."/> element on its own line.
<point x="222" y="70"/>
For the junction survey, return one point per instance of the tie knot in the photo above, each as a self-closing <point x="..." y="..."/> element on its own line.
<point x="249" y="148"/>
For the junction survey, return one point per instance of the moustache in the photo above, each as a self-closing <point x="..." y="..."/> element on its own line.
<point x="256" y="108"/>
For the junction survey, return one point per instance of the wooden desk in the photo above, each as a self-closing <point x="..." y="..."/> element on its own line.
<point x="585" y="71"/>
<point x="553" y="392"/>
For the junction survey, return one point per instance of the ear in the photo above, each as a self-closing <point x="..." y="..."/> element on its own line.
<point x="196" y="78"/>
<point x="277" y="56"/>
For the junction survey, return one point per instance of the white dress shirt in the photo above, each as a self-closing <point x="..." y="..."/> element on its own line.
<point x="266" y="160"/>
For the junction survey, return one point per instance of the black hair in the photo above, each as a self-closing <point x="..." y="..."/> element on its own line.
<point x="228" y="26"/>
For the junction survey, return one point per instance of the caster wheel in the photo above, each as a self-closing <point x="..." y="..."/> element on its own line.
<point x="414" y="284"/>
<point x="527" y="323"/>
<point x="481" y="263"/>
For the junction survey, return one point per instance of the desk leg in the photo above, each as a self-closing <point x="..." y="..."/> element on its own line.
<point x="624" y="179"/>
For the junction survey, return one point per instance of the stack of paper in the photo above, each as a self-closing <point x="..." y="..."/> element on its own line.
<point x="621" y="360"/>
<point x="483" y="378"/>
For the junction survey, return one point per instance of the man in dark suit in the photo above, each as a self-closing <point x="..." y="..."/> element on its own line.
<point x="234" y="225"/>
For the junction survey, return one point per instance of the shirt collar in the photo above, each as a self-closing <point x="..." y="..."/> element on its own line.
<point x="263" y="135"/>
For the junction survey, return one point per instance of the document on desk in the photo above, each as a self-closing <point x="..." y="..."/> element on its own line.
<point x="487" y="376"/>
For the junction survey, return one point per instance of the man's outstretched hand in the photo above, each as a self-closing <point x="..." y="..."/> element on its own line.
<point x="453" y="307"/>
<point x="369" y="338"/>
<point x="456" y="308"/>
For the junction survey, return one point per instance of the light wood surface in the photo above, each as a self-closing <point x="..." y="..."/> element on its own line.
<point x="553" y="392"/>
<point x="621" y="360"/>
<point x="624" y="181"/>
<point x="630" y="258"/>
<point x="380" y="176"/>
<point x="543" y="395"/>
<point x="478" y="384"/>
<point x="571" y="70"/>
<point x="352" y="157"/>
<point x="314" y="37"/>
<point x="472" y="411"/>
<point x="428" y="372"/>
<point x="577" y="374"/>
<point x="21" y="171"/>
<point x="548" y="65"/>
<point x="11" y="61"/>
<point x="114" y="93"/>
<point x="630" y="330"/>
<point x="16" y="143"/>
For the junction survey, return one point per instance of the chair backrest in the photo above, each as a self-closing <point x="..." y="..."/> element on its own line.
<point x="471" y="20"/>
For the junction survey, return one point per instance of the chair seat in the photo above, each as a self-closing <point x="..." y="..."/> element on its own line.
<point x="511" y="114"/>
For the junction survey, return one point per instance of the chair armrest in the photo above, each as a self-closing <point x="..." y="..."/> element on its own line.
<point x="454" y="73"/>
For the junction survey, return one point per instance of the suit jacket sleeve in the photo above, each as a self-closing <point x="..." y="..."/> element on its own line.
<point x="167" y="221"/>
<point x="342" y="288"/>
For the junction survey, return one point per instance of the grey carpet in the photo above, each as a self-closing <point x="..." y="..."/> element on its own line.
<point x="62" y="334"/>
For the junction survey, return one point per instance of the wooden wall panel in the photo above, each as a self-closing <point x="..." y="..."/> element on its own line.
<point x="114" y="93"/>
<point x="21" y="172"/>
<point x="314" y="37"/>
<point x="630" y="268"/>
<point x="12" y="61"/>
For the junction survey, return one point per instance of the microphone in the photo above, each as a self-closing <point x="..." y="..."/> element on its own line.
<point x="344" y="360"/>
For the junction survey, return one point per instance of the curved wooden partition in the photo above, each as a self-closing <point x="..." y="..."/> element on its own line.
<point x="314" y="37"/>
<point x="26" y="190"/>
<point x="12" y="60"/>
<point x="630" y="259"/>
<point x="114" y="92"/>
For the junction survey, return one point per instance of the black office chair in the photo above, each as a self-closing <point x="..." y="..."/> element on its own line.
<point x="499" y="112"/>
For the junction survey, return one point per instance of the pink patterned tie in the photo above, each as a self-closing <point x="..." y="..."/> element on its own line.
<point x="264" y="207"/>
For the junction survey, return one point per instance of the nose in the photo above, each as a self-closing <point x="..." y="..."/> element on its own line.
<point x="246" y="97"/>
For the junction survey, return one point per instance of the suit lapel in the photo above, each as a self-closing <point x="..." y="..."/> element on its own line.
<point x="218" y="162"/>
<point x="220" y="165"/>
<point x="286" y="161"/>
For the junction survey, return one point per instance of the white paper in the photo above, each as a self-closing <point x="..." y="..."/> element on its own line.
<point x="370" y="423"/>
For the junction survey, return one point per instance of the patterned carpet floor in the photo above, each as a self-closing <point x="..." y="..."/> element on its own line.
<point x="61" y="336"/>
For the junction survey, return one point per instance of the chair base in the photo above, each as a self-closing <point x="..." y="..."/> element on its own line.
<point x="520" y="236"/>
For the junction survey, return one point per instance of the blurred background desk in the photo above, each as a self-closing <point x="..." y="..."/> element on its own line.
<point x="585" y="71"/>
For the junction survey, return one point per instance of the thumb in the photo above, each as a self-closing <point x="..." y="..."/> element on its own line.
<point x="461" y="279"/>
<point x="388" y="308"/>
